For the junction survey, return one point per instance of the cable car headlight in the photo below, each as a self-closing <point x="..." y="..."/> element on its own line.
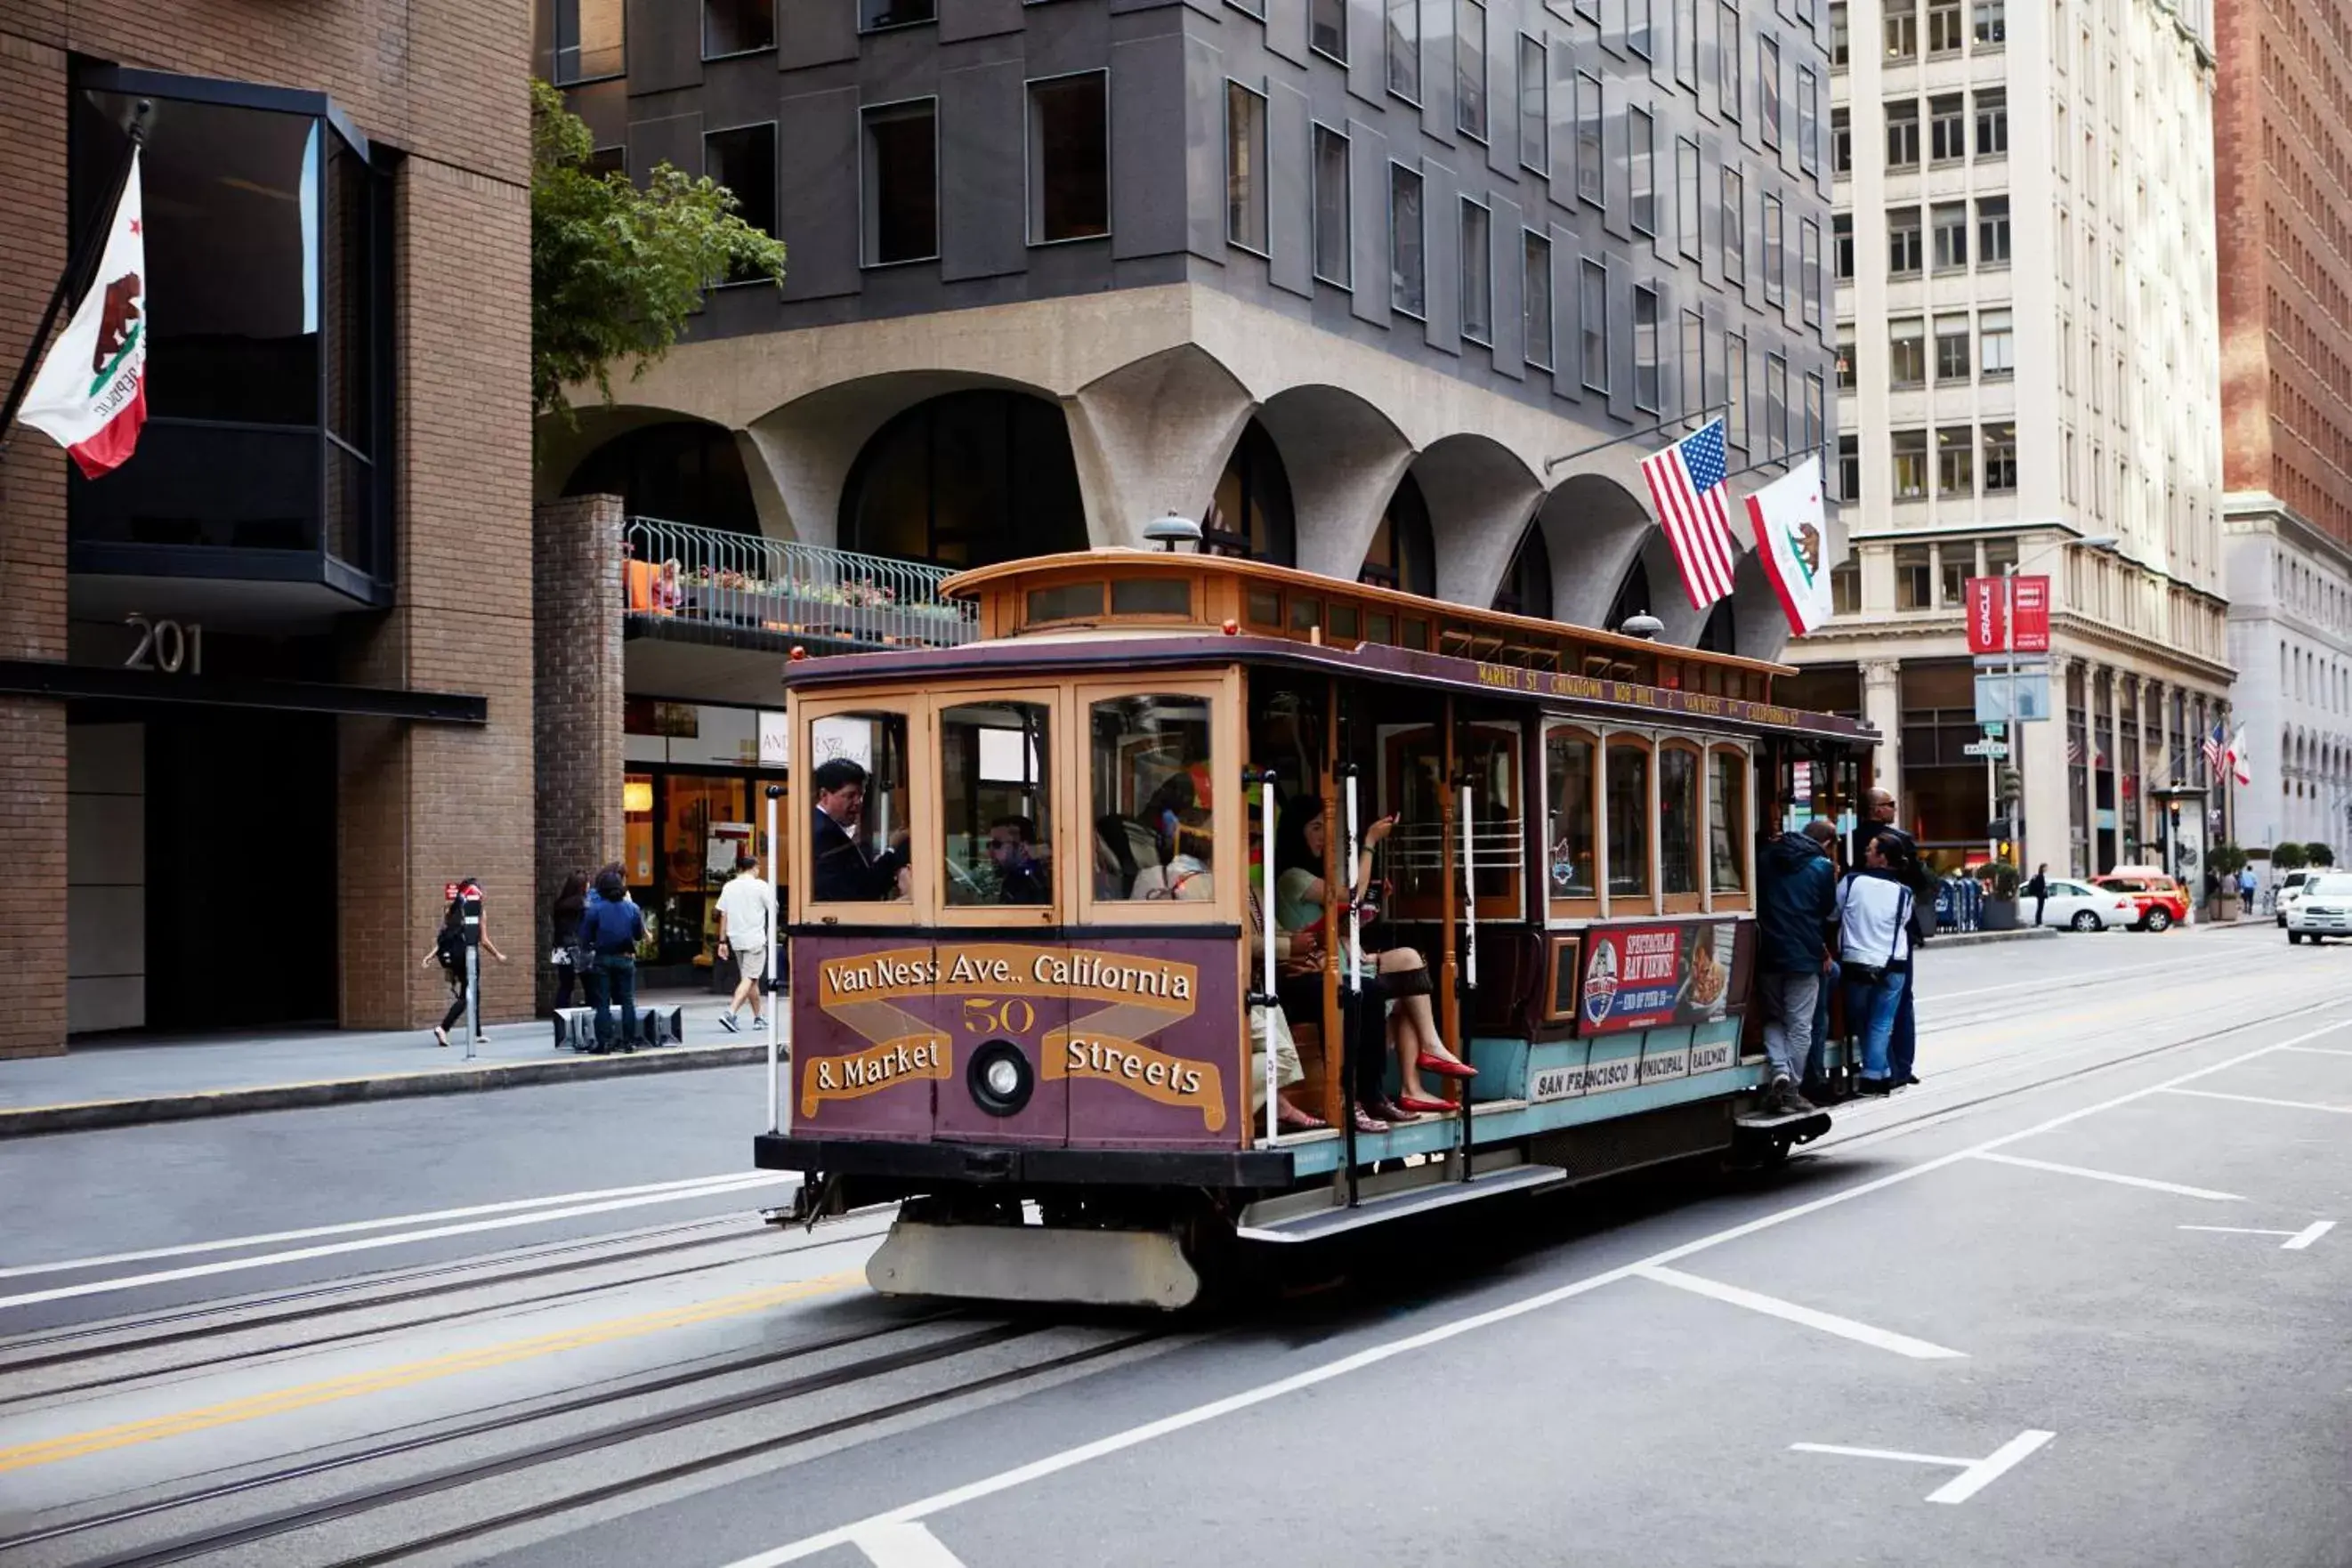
<point x="1000" y="1079"/>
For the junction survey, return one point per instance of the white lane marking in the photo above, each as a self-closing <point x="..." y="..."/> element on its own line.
<point x="2297" y="1240"/>
<point x="903" y="1545"/>
<point x="2308" y="1233"/>
<point x="368" y="1243"/>
<point x="2151" y="1183"/>
<point x="1790" y="1311"/>
<point x="1989" y="1468"/>
<point x="238" y="1243"/>
<point x="1894" y="1454"/>
<point x="2261" y="1100"/>
<point x="1148" y="1431"/>
<point x="2316" y="1051"/>
<point x="1943" y="996"/>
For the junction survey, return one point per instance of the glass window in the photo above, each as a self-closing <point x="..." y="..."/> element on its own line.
<point x="1334" y="260"/>
<point x="1948" y="128"/>
<point x="1408" y="271"/>
<point x="994" y="761"/>
<point x="1845" y="353"/>
<point x="1728" y="62"/>
<point x="1637" y="26"/>
<point x="1995" y="348"/>
<point x="1776" y="252"/>
<point x="1069" y="158"/>
<point x="1734" y="227"/>
<point x="1687" y="196"/>
<point x="1065" y="602"/>
<point x="875" y="14"/>
<point x="1767" y="81"/>
<point x="1841" y="247"/>
<point x="1150" y="597"/>
<point x="1910" y="451"/>
<point x="1677" y="819"/>
<point x="1328" y="28"/>
<point x="1951" y="221"/>
<point x="2001" y="457"/>
<point x="902" y="183"/>
<point x="1645" y="348"/>
<point x="1902" y="30"/>
<point x="1809" y="121"/>
<point x="1776" y="405"/>
<point x="1641" y="137"/>
<point x="1245" y="168"/>
<point x="1629" y="819"/>
<point x="1913" y="578"/>
<point x="1841" y="35"/>
<point x="1735" y="389"/>
<point x="1404" y="49"/>
<point x="1850" y="489"/>
<point x="1808" y="271"/>
<point x="1534" y="110"/>
<point x="859" y="850"/>
<point x="1906" y="352"/>
<point x="1590" y="176"/>
<point x="1470" y="67"/>
<point x="1952" y="347"/>
<point x="1992" y="230"/>
<point x="1903" y="135"/>
<point x="1992" y="123"/>
<point x="1154" y="834"/>
<point x="1992" y="23"/>
<point x="1535" y="299"/>
<point x="1906" y="245"/>
<point x="588" y="40"/>
<point x="1951" y="574"/>
<point x="1956" y="471"/>
<point x="1841" y="142"/>
<point x="737" y="27"/>
<point x="1592" y="308"/>
<point x="1943" y="27"/>
<point x="1477" y="273"/>
<point x="1694" y="365"/>
<point x="1816" y="425"/>
<point x="1686" y="42"/>
<point x="744" y="160"/>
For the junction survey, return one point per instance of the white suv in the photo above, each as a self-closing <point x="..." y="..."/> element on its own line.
<point x="2322" y="908"/>
<point x="2290" y="889"/>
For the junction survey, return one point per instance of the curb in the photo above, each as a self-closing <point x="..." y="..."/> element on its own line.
<point x="90" y="1115"/>
<point x="1971" y="938"/>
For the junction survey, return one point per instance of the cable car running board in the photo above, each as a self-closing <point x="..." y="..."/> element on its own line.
<point x="1318" y="1223"/>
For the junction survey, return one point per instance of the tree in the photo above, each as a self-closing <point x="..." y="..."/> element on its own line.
<point x="615" y="271"/>
<point x="2318" y="854"/>
<point x="2288" y="856"/>
<point x="2225" y="860"/>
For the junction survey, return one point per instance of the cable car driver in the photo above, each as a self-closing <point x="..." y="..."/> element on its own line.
<point x="841" y="869"/>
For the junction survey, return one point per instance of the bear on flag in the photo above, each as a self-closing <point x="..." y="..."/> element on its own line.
<point x="1790" y="540"/>
<point x="91" y="395"/>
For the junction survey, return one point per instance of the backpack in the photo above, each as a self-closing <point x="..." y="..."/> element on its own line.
<point x="449" y="947"/>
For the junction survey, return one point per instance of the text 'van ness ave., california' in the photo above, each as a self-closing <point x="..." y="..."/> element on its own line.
<point x="1010" y="968"/>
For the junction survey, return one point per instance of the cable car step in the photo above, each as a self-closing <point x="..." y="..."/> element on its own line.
<point x="1795" y="1126"/>
<point x="1317" y="1223"/>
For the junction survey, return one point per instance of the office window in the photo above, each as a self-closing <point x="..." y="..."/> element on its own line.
<point x="1809" y="121"/>
<point x="1477" y="273"/>
<point x="1906" y="352"/>
<point x="1470" y="67"/>
<point x="1734" y="227"/>
<point x="1404" y="49"/>
<point x="1914" y="575"/>
<point x="589" y="38"/>
<point x="1952" y="576"/>
<point x="1334" y="260"/>
<point x="1768" y="84"/>
<point x="1534" y="298"/>
<point x="1254" y="7"/>
<point x="1943" y="27"/>
<point x="1694" y="362"/>
<point x="901" y="194"/>
<point x="1408" y="270"/>
<point x="1645" y="348"/>
<point x="1840" y="37"/>
<point x="1948" y="127"/>
<point x="1640" y="136"/>
<point x="1841" y="142"/>
<point x="1726" y="62"/>
<point x="1951" y="221"/>
<point x="1592" y="320"/>
<point x="1815" y="429"/>
<point x="1850" y="489"/>
<point x="1776" y="407"/>
<point x="1069" y="158"/>
<point x="1952" y="347"/>
<point x="1845" y="579"/>
<point x="744" y="160"/>
<point x="1734" y="390"/>
<point x="1992" y="230"/>
<point x="1808" y="271"/>
<point x="2098" y="375"/>
<point x="1637" y="26"/>
<point x="1589" y="175"/>
<point x="1902" y="30"/>
<point x="1245" y="180"/>
<point x="1992" y="123"/>
<point x="1903" y="135"/>
<point x="1910" y="451"/>
<point x="2001" y="457"/>
<point x="1686" y="196"/>
<point x="738" y="27"/>
<point x="1686" y="42"/>
<point x="1845" y="366"/>
<point x="1956" y="469"/>
<point x="1992" y="23"/>
<point x="1776" y="253"/>
<point x="1328" y="28"/>
<point x="1535" y="105"/>
<point x="876" y="14"/>
<point x="1906" y="243"/>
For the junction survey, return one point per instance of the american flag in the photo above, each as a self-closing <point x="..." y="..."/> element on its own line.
<point x="1685" y="481"/>
<point x="2216" y="749"/>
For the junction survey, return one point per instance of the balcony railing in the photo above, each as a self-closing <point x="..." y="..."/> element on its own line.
<point x="745" y="582"/>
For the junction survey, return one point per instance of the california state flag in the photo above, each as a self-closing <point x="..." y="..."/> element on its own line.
<point x="91" y="394"/>
<point x="1790" y="537"/>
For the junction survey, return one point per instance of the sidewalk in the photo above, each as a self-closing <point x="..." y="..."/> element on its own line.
<point x="155" y="1079"/>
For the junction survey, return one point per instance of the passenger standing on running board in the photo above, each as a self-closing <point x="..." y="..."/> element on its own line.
<point x="1874" y="940"/>
<point x="1799" y="898"/>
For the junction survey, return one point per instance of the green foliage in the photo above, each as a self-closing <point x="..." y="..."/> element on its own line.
<point x="2225" y="860"/>
<point x="2317" y="854"/>
<point x="615" y="271"/>
<point x="2001" y="874"/>
<point x="2289" y="856"/>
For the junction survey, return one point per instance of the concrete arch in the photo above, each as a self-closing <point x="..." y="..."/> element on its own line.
<point x="1152" y="438"/>
<point x="1758" y="627"/>
<point x="1480" y="495"/>
<point x="1594" y="527"/>
<point x="1345" y="459"/>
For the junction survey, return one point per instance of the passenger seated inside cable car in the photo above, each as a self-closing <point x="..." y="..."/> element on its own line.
<point x="1188" y="871"/>
<point x="1021" y="875"/>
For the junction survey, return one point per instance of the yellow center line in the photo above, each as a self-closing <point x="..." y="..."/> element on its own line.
<point x="50" y="1450"/>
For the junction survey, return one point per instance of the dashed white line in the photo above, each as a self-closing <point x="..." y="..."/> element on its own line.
<point x="902" y="1543"/>
<point x="2264" y="1100"/>
<point x="1790" y="1311"/>
<point x="2316" y="1050"/>
<point x="1989" y="1468"/>
<point x="2307" y="1235"/>
<point x="2151" y="1183"/>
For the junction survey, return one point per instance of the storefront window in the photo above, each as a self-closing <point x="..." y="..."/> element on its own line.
<point x="1678" y="820"/>
<point x="856" y="774"/>
<point x="993" y="765"/>
<point x="1728" y="822"/>
<point x="1151" y="770"/>
<point x="1569" y="773"/>
<point x="1629" y="818"/>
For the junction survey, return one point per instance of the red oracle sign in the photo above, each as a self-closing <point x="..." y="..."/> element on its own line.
<point x="2029" y="614"/>
<point x="1988" y="620"/>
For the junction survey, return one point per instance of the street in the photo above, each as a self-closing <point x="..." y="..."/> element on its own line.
<point x="2077" y="1299"/>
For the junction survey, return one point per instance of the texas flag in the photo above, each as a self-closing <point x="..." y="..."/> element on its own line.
<point x="1790" y="537"/>
<point x="91" y="395"/>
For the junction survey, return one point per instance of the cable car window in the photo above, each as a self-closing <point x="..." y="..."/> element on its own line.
<point x="1069" y="602"/>
<point x="1345" y="620"/>
<point x="1152" y="831"/>
<point x="1264" y="608"/>
<point x="1151" y="596"/>
<point x="1416" y="636"/>
<point x="1490" y="757"/>
<point x="1678" y="820"/>
<point x="1305" y="613"/>
<point x="859" y="845"/>
<point x="995" y="804"/>
<point x="1569" y="776"/>
<point x="1728" y="822"/>
<point x="1629" y="818"/>
<point x="1379" y="626"/>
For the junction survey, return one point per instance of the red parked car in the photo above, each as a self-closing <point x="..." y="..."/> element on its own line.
<point x="2163" y="902"/>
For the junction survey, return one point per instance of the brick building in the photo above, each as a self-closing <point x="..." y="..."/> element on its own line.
<point x="2283" y="138"/>
<point x="239" y="807"/>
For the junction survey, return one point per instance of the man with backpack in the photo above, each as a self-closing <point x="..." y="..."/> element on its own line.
<point x="1799" y="898"/>
<point x="611" y="926"/>
<point x="1874" y="908"/>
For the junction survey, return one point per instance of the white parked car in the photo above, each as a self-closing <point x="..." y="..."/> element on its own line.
<point x="2082" y="906"/>
<point x="2290" y="889"/>
<point x="2322" y="908"/>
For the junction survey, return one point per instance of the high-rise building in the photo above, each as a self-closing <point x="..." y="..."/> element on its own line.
<point x="2283" y="136"/>
<point x="2028" y="382"/>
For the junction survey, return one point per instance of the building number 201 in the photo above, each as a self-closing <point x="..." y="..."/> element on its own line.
<point x="166" y="645"/>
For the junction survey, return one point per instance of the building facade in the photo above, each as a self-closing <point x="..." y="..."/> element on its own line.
<point x="2026" y="322"/>
<point x="266" y="689"/>
<point x="2283" y="136"/>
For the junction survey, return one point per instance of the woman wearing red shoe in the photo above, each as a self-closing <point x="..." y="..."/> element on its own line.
<point x="1400" y="974"/>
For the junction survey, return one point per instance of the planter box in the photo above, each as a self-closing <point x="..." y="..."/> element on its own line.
<point x="1997" y="914"/>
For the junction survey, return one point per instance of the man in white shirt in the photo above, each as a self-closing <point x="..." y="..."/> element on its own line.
<point x="747" y="923"/>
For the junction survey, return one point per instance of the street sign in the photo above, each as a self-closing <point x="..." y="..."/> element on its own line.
<point x="2027" y="663"/>
<point x="1987" y="748"/>
<point x="1996" y="688"/>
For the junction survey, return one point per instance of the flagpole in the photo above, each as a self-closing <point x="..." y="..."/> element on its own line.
<point x="78" y="267"/>
<point x="1635" y="434"/>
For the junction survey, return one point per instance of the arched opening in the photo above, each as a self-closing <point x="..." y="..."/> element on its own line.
<point x="1632" y="597"/>
<point x="682" y="471"/>
<point x="968" y="479"/>
<point x="1251" y="515"/>
<point x="1404" y="550"/>
<point x="1526" y="583"/>
<point x="1719" y="634"/>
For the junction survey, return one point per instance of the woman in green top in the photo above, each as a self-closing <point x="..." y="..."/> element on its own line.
<point x="1400" y="974"/>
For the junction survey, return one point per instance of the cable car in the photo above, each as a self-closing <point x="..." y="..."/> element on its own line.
<point x="1058" y="896"/>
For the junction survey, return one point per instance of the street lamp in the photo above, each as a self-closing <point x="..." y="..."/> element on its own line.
<point x="2105" y="544"/>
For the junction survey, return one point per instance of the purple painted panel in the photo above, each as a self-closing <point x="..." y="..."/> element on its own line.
<point x="987" y="991"/>
<point x="1154" y="1054"/>
<point x="868" y="1053"/>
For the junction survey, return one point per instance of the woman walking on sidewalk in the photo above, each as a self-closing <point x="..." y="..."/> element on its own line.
<point x="564" y="925"/>
<point x="448" y="950"/>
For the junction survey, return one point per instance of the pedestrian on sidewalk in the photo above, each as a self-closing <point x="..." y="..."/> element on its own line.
<point x="2038" y="889"/>
<point x="564" y="929"/>
<point x="1874" y="905"/>
<point x="2246" y="890"/>
<point x="747" y="924"/>
<point x="611" y="926"/>
<point x="1800" y="897"/>
<point x="448" y="950"/>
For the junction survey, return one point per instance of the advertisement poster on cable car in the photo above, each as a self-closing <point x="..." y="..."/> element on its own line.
<point x="1651" y="977"/>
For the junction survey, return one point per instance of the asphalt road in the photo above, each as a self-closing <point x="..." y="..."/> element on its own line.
<point x="2077" y="1300"/>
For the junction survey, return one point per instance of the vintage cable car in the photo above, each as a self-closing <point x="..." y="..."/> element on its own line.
<point x="1042" y="886"/>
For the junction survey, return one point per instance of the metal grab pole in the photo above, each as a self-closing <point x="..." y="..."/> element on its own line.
<point x="767" y="981"/>
<point x="1266" y="923"/>
<point x="1469" y="952"/>
<point x="1351" y="1030"/>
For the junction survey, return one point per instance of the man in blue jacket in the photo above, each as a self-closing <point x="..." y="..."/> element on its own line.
<point x="1800" y="899"/>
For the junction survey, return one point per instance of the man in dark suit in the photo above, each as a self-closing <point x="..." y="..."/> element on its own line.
<point x="841" y="869"/>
